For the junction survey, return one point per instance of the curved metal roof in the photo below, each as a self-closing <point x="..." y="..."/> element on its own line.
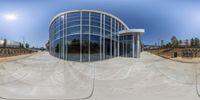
<point x="97" y="11"/>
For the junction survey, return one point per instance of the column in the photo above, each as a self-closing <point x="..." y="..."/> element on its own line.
<point x="133" y="45"/>
<point x="138" y="45"/>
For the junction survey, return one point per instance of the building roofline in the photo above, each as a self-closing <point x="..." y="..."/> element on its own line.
<point x="97" y="11"/>
<point x="132" y="31"/>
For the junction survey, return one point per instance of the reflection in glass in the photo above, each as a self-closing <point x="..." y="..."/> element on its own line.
<point x="85" y="47"/>
<point x="73" y="47"/>
<point x="88" y="36"/>
<point x="94" y="47"/>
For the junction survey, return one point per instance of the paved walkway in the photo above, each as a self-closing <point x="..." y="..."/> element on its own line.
<point x="150" y="77"/>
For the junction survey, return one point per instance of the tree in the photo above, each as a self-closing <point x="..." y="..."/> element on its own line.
<point x="180" y="42"/>
<point x="192" y="42"/>
<point x="187" y="42"/>
<point x="168" y="45"/>
<point x="196" y="42"/>
<point x="21" y="45"/>
<point x="162" y="43"/>
<point x="27" y="45"/>
<point x="174" y="41"/>
<point x="5" y="43"/>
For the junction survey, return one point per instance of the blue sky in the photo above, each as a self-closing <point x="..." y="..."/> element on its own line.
<point x="160" y="18"/>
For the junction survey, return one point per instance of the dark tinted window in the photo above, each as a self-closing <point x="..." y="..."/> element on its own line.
<point x="73" y="47"/>
<point x="95" y="30"/>
<point x="73" y="30"/>
<point x="73" y="14"/>
<point x="95" y="48"/>
<point x="85" y="22"/>
<point x="85" y="47"/>
<point x="93" y="23"/>
<point x="73" y="23"/>
<point x="85" y="29"/>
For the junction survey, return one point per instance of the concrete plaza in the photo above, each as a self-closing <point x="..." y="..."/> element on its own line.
<point x="150" y="77"/>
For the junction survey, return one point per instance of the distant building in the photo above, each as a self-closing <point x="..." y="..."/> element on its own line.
<point x="150" y="47"/>
<point x="9" y="43"/>
<point x="185" y="43"/>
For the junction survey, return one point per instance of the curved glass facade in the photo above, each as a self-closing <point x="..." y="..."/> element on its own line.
<point x="88" y="36"/>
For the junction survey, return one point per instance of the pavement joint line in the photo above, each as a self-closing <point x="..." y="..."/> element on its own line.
<point x="24" y="66"/>
<point x="152" y="65"/>
<point x="196" y="77"/>
<point x="171" y="78"/>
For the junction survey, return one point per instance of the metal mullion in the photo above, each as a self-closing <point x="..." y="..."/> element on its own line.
<point x="111" y="37"/>
<point x="89" y="35"/>
<point x="118" y="40"/>
<point x="66" y="37"/>
<point x="115" y="30"/>
<point x="133" y="45"/>
<point x="104" y="37"/>
<point x="63" y="37"/>
<point x="80" y="36"/>
<point x="101" y="37"/>
<point x="126" y="45"/>
<point x="60" y="37"/>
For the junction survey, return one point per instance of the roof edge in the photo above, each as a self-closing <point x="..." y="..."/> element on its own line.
<point x="97" y="11"/>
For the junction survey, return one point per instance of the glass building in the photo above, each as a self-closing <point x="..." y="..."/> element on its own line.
<point x="90" y="35"/>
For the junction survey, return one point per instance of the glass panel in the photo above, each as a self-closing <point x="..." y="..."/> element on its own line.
<point x="94" y="23"/>
<point x="117" y="41"/>
<point x="85" y="47"/>
<point x="107" y="20"/>
<point x="107" y="27"/>
<point x="61" y="48"/>
<point x="117" y="27"/>
<point x="107" y="34"/>
<point x="129" y="48"/>
<point x="73" y="47"/>
<point x="93" y="14"/>
<point x="113" y="47"/>
<point x="121" y="46"/>
<point x="107" y="48"/>
<point x="85" y="22"/>
<point x="120" y="27"/>
<point x="65" y="47"/>
<point x="61" y="33"/>
<point x="85" y="29"/>
<point x="125" y="47"/>
<point x="73" y="19"/>
<point x="57" y="48"/>
<point x="85" y="15"/>
<point x="73" y="14"/>
<point x="57" y="29"/>
<point x="73" y="23"/>
<point x="95" y="30"/>
<point x="73" y="30"/>
<point x="94" y="47"/>
<point x="95" y="17"/>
